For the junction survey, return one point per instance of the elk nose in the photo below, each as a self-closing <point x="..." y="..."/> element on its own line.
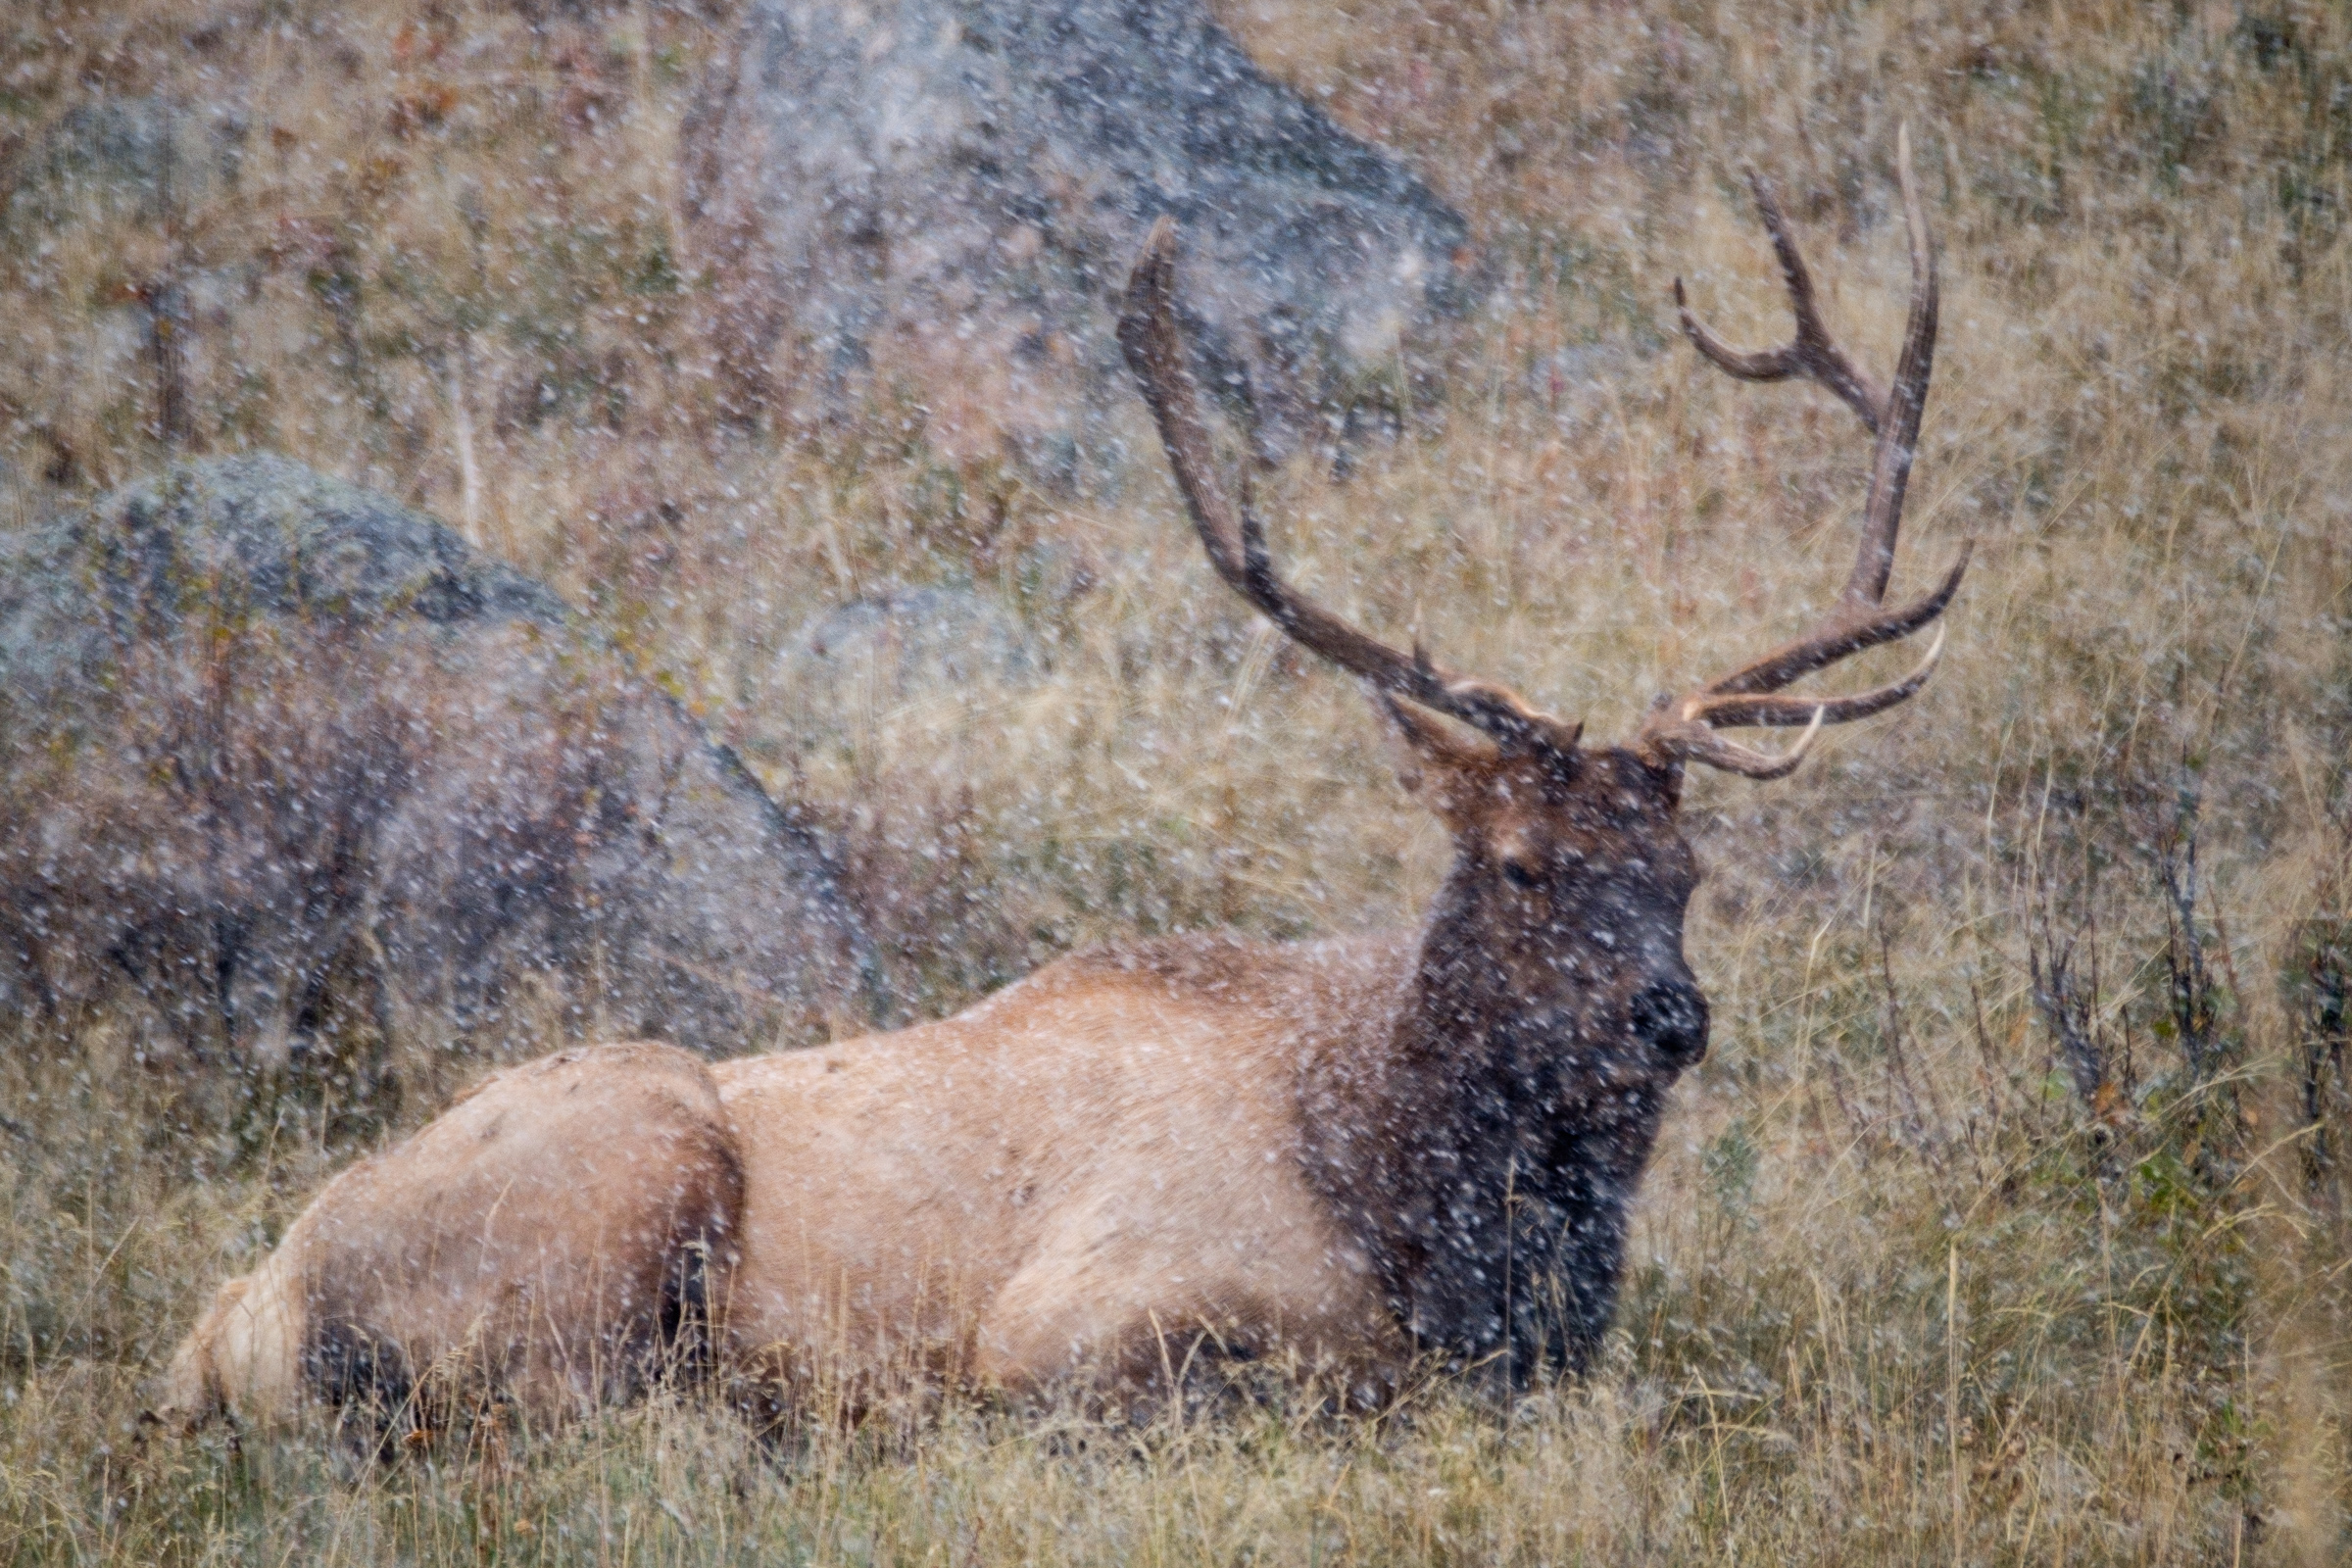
<point x="1670" y="1016"/>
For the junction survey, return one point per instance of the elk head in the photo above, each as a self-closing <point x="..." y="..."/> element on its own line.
<point x="1552" y="1005"/>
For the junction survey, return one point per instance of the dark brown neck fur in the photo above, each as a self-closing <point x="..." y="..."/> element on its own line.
<point x="1486" y="1151"/>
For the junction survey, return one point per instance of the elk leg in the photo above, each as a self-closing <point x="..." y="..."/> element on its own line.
<point x="244" y="1355"/>
<point x="1054" y="1326"/>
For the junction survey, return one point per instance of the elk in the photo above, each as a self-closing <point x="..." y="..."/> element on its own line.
<point x="1340" y="1155"/>
<point x="553" y="1241"/>
<point x="1349" y="1152"/>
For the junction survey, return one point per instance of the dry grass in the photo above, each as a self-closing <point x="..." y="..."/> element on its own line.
<point x="1899" y="1293"/>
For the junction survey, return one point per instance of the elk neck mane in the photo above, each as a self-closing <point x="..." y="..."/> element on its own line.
<point x="1480" y="1144"/>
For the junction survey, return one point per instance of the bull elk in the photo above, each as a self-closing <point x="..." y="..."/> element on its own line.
<point x="1342" y="1154"/>
<point x="1350" y="1150"/>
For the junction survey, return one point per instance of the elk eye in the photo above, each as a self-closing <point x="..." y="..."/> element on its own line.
<point x="1521" y="874"/>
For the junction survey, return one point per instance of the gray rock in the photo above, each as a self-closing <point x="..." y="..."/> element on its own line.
<point x="953" y="189"/>
<point x="269" y="741"/>
<point x="144" y="157"/>
<point x="931" y="653"/>
<point x="901" y="645"/>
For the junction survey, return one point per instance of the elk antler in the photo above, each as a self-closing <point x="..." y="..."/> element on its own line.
<point x="1684" y="727"/>
<point x="1236" y="540"/>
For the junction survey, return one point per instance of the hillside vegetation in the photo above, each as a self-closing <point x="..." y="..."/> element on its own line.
<point x="2006" y="1219"/>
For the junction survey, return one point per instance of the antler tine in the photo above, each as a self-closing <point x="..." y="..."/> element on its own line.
<point x="1898" y="432"/>
<point x="1235" y="541"/>
<point x="1811" y="353"/>
<point x="1842" y="635"/>
<point x="1771" y="708"/>
<point x="1704" y="745"/>
<point x="1858" y="620"/>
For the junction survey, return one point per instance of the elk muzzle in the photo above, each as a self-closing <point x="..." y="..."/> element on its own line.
<point x="1670" y="1016"/>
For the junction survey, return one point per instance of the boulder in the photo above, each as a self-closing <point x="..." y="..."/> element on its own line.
<point x="897" y="648"/>
<point x="142" y="156"/>
<point x="268" y="741"/>
<point x="940" y="198"/>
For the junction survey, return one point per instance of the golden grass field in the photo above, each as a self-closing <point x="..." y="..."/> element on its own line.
<point x="1904" y="1288"/>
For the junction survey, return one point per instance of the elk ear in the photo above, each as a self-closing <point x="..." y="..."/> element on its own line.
<point x="1669" y="774"/>
<point x="1663" y="764"/>
<point x="1429" y="748"/>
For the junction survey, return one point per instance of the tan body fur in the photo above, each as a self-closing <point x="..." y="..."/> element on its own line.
<point x="1099" y="1168"/>
<point x="542" y="1239"/>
